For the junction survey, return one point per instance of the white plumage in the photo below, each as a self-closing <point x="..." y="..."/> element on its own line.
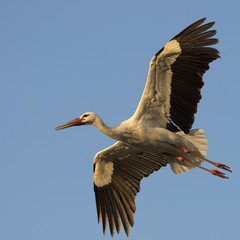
<point x="159" y="131"/>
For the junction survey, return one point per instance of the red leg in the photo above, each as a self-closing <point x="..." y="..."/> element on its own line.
<point x="219" y="165"/>
<point x="214" y="172"/>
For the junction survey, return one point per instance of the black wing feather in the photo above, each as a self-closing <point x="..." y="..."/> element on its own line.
<point x="188" y="70"/>
<point x="117" y="198"/>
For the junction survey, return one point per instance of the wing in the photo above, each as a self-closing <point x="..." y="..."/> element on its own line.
<point x="118" y="171"/>
<point x="174" y="83"/>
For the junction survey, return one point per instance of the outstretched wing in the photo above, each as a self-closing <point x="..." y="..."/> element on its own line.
<point x="118" y="171"/>
<point x="174" y="83"/>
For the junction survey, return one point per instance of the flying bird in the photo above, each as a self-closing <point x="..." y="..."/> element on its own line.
<point x="159" y="132"/>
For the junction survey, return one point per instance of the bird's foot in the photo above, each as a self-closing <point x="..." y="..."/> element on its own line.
<point x="219" y="174"/>
<point x="222" y="166"/>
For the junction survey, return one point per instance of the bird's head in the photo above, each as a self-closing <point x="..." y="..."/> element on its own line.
<point x="85" y="119"/>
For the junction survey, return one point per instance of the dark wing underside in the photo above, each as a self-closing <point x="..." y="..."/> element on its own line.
<point x="115" y="200"/>
<point x="188" y="71"/>
<point x="174" y="83"/>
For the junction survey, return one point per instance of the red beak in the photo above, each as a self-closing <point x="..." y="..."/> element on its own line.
<point x="74" y="122"/>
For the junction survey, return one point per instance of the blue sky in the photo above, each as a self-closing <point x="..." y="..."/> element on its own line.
<point x="60" y="59"/>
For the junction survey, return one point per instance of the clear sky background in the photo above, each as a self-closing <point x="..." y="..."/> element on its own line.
<point x="60" y="59"/>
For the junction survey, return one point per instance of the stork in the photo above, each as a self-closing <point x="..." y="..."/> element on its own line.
<point x="159" y="132"/>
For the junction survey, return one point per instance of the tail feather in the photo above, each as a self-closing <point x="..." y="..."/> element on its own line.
<point x="178" y="168"/>
<point x="198" y="139"/>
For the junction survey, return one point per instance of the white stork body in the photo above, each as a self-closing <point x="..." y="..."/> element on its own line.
<point x="152" y="139"/>
<point x="159" y="131"/>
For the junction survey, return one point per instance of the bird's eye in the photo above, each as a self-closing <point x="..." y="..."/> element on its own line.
<point x="85" y="115"/>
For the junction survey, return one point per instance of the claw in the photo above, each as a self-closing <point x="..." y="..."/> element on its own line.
<point x="217" y="173"/>
<point x="222" y="166"/>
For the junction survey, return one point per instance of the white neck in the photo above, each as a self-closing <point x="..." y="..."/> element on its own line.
<point x="112" y="132"/>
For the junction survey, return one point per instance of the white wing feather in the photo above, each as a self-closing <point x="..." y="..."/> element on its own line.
<point x="154" y="106"/>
